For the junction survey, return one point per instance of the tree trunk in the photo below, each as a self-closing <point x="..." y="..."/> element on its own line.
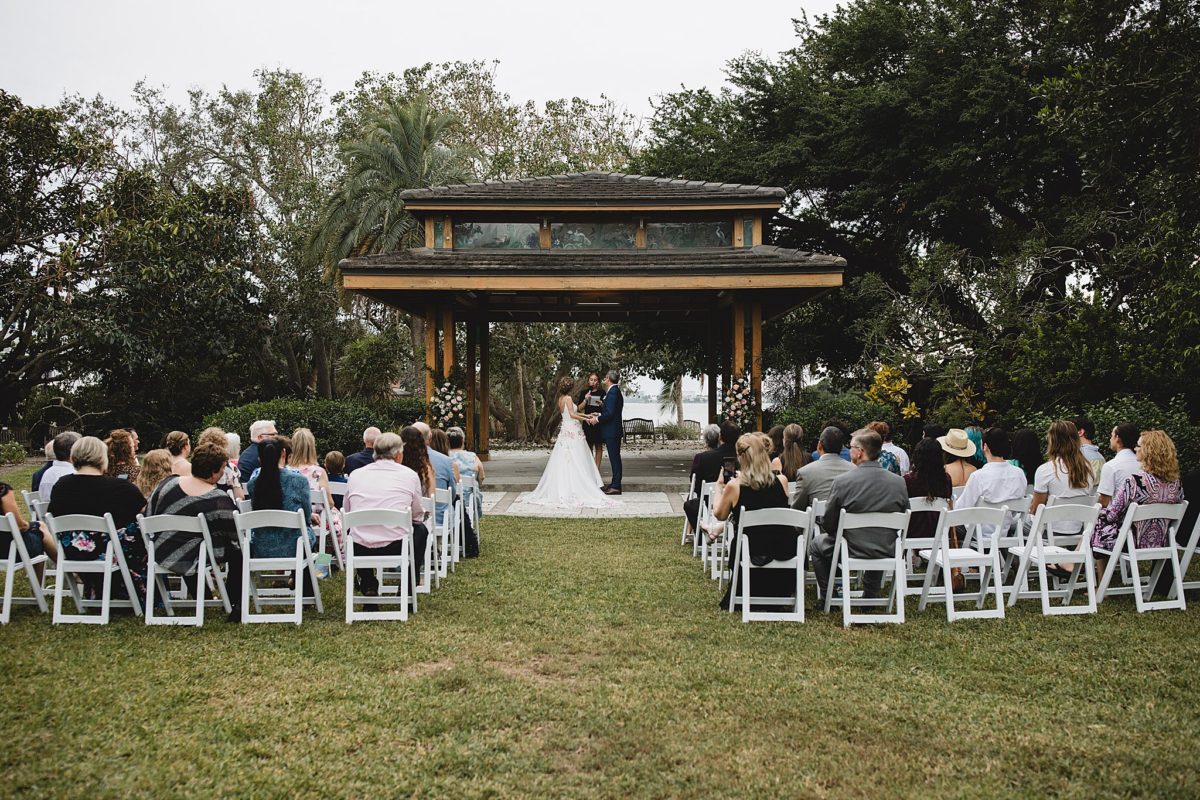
<point x="503" y="415"/>
<point x="321" y="366"/>
<point x="520" y="429"/>
<point x="677" y="396"/>
<point x="295" y="379"/>
<point x="416" y="331"/>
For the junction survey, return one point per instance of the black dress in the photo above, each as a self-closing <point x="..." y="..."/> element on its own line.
<point x="772" y="543"/>
<point x="592" y="432"/>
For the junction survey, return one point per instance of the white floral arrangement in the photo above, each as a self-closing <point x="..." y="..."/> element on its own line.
<point x="738" y="403"/>
<point x="449" y="406"/>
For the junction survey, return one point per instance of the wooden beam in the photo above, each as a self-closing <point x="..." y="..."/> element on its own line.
<point x="639" y="235"/>
<point x="472" y="424"/>
<point x="447" y="342"/>
<point x="485" y="389"/>
<point x="430" y="359"/>
<point x="756" y="346"/>
<point x="641" y="283"/>
<point x="544" y="240"/>
<point x="739" y="238"/>
<point x="413" y="206"/>
<point x="429" y="232"/>
<point x="758" y="230"/>
<point x="739" y="338"/>
<point x="447" y="234"/>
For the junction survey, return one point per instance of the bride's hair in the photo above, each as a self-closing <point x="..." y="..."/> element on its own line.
<point x="565" y="384"/>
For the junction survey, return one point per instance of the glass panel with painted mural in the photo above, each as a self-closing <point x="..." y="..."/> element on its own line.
<point x="439" y="234"/>
<point x="495" y="235"/>
<point x="593" y="235"/>
<point x="670" y="235"/>
<point x="748" y="232"/>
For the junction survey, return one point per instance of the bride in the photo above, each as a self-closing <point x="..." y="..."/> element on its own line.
<point x="571" y="478"/>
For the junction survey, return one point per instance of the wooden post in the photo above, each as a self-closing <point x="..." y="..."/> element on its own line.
<point x="430" y="359"/>
<point x="756" y="345"/>
<point x="739" y="338"/>
<point x="712" y="368"/>
<point x="485" y="389"/>
<point x="472" y="424"/>
<point x="447" y="342"/>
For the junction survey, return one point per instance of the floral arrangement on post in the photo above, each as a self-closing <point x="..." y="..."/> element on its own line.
<point x="448" y="406"/>
<point x="738" y="406"/>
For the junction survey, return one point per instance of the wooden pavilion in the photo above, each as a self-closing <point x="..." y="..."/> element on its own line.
<point x="593" y="247"/>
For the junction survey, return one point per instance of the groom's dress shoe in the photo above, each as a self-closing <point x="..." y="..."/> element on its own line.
<point x="611" y="490"/>
<point x="606" y="487"/>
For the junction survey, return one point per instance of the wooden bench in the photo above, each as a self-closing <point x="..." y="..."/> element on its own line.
<point x="639" y="428"/>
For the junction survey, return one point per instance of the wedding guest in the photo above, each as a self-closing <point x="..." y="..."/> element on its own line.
<point x="1155" y="481"/>
<point x="248" y="461"/>
<point x="275" y="487"/>
<point x="1026" y="452"/>
<point x="440" y="442"/>
<point x="179" y="445"/>
<point x="386" y="483"/>
<point x="887" y="459"/>
<point x="200" y="493"/>
<point x="335" y="470"/>
<point x="304" y="461"/>
<point x="415" y="456"/>
<point x="62" y="465"/>
<point x="776" y="436"/>
<point x="927" y="478"/>
<point x="589" y="402"/>
<point x="367" y="454"/>
<point x="90" y="491"/>
<point x="1124" y="463"/>
<point x="975" y="434"/>
<point x="1065" y="474"/>
<point x="867" y="488"/>
<point x="36" y="480"/>
<point x="959" y="450"/>
<point x="1087" y="445"/>
<point x="834" y="422"/>
<point x="469" y="465"/>
<point x="706" y="465"/>
<point x="229" y="480"/>
<point x="814" y="480"/>
<point x="122" y="458"/>
<point x="755" y="488"/>
<point x="156" y="466"/>
<point x="997" y="481"/>
<point x="792" y="456"/>
<point x="446" y="474"/>
<point x="36" y="537"/>
<point x="894" y="449"/>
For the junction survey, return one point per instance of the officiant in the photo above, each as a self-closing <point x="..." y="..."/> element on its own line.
<point x="589" y="402"/>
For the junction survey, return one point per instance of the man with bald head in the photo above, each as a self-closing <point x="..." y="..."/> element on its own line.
<point x="367" y="454"/>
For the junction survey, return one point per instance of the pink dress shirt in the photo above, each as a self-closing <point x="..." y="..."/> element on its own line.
<point x="383" y="484"/>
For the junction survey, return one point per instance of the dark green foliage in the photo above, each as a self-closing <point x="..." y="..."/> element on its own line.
<point x="1148" y="415"/>
<point x="817" y="405"/>
<point x="336" y="424"/>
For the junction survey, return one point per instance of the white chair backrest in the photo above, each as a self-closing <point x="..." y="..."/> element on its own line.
<point x="924" y="504"/>
<point x="957" y="491"/>
<point x="817" y="507"/>
<point x="979" y="515"/>
<point x="87" y="523"/>
<point x="896" y="520"/>
<point x="245" y="506"/>
<point x="429" y="504"/>
<point x="390" y="517"/>
<point x="1075" y="500"/>
<point x="31" y="501"/>
<point x="316" y="496"/>
<point x="790" y="517"/>
<point x="39" y="509"/>
<point x="271" y="518"/>
<point x="468" y="483"/>
<point x="338" y="489"/>
<point x="172" y="523"/>
<point x="8" y="524"/>
<point x="442" y="495"/>
<point x="1168" y="511"/>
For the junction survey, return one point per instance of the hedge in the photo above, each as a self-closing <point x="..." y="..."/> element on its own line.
<point x="336" y="424"/>
<point x="818" y="405"/>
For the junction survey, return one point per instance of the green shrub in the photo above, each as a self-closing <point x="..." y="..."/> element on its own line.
<point x="678" y="433"/>
<point x="818" y="404"/>
<point x="12" y="453"/>
<point x="336" y="424"/>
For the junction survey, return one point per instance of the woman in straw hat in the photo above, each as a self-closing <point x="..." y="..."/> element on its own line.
<point x="959" y="450"/>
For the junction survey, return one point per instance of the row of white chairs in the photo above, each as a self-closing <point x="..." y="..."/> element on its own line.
<point x="996" y="539"/>
<point x="444" y="547"/>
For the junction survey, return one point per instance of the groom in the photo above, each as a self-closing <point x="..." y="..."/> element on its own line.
<point x="609" y="421"/>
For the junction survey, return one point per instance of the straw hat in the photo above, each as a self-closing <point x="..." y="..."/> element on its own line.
<point x="957" y="443"/>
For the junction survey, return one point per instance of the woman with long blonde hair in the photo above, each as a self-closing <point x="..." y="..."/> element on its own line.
<point x="1156" y="482"/>
<point x="155" y="466"/>
<point x="753" y="488"/>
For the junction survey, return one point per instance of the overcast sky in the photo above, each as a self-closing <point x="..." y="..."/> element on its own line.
<point x="630" y="51"/>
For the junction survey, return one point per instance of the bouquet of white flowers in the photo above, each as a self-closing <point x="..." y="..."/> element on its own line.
<point x="449" y="406"/>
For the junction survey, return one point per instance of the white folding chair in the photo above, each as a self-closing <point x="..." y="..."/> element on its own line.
<point x="17" y="558"/>
<point x="1043" y="546"/>
<point x="31" y="501"/>
<point x="986" y="558"/>
<point x="742" y="591"/>
<point x="208" y="571"/>
<point x="916" y="548"/>
<point x="429" y="573"/>
<point x="1186" y="551"/>
<point x="327" y="529"/>
<point x="39" y="510"/>
<point x="402" y="564"/>
<point x="444" y="531"/>
<point x="245" y="506"/>
<point x="843" y="561"/>
<point x="295" y="565"/>
<point x="957" y="491"/>
<point x="703" y="518"/>
<point x="817" y="509"/>
<point x="1126" y="551"/>
<point x="691" y="495"/>
<point x="458" y="545"/>
<point x="112" y="561"/>
<point x="1008" y="536"/>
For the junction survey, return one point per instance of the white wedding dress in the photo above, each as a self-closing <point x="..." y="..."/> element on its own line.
<point x="571" y="479"/>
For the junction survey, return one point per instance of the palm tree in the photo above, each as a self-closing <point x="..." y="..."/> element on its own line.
<point x="401" y="148"/>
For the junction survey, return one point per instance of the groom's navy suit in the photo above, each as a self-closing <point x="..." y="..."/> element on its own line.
<point x="611" y="430"/>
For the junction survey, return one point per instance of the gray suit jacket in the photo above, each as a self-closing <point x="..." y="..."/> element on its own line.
<point x="867" y="488"/>
<point x="815" y="479"/>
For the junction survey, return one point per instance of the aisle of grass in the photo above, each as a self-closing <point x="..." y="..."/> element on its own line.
<point x="583" y="660"/>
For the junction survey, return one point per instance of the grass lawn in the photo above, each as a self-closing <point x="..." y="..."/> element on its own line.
<point x="582" y="660"/>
